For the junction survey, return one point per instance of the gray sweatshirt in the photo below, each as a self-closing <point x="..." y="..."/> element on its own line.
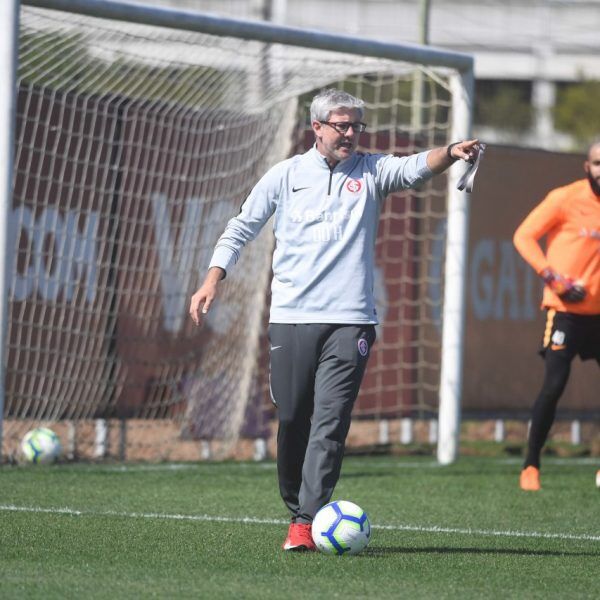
<point x="325" y="226"/>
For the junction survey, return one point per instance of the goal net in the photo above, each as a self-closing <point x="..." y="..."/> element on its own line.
<point x="135" y="143"/>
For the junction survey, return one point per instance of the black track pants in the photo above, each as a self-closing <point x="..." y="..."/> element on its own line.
<point x="315" y="374"/>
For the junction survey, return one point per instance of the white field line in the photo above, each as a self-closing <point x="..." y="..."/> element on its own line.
<point x="257" y="521"/>
<point x="399" y="464"/>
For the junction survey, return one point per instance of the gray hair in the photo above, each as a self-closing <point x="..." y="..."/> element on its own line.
<point x="329" y="100"/>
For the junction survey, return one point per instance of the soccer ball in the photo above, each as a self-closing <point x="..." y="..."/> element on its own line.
<point x="41" y="445"/>
<point x="341" y="527"/>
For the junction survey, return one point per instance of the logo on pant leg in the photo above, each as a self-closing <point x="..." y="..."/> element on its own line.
<point x="558" y="340"/>
<point x="363" y="347"/>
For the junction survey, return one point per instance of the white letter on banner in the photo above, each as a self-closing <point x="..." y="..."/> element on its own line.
<point x="54" y="266"/>
<point x="175" y="262"/>
<point x="49" y="236"/>
<point x="483" y="253"/>
<point x="21" y="224"/>
<point x="80" y="255"/>
<point x="507" y="283"/>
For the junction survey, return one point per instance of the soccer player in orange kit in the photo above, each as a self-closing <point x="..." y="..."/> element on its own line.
<point x="569" y="217"/>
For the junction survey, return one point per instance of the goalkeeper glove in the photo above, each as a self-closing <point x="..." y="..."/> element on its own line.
<point x="564" y="287"/>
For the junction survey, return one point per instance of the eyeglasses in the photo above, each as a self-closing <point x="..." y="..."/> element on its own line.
<point x="343" y="126"/>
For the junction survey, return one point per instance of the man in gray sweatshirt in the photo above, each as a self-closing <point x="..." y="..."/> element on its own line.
<point x="326" y="205"/>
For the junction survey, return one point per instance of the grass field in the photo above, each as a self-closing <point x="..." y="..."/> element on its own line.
<point x="215" y="531"/>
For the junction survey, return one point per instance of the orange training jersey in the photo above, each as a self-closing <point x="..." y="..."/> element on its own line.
<point x="569" y="216"/>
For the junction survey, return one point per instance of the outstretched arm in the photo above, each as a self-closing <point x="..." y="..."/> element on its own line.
<point x="439" y="159"/>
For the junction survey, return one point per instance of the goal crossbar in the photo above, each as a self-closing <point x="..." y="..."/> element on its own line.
<point x="262" y="32"/>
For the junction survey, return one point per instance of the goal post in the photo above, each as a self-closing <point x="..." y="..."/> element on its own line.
<point x="139" y="132"/>
<point x="455" y="269"/>
<point x="9" y="17"/>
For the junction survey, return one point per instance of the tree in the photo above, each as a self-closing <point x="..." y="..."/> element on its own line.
<point x="577" y="111"/>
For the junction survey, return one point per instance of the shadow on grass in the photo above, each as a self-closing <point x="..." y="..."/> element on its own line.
<point x="433" y="550"/>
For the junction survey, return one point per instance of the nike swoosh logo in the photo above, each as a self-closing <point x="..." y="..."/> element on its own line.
<point x="275" y="348"/>
<point x="295" y="189"/>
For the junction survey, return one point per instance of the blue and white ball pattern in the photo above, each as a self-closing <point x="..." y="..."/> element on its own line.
<point x="41" y="446"/>
<point x="341" y="527"/>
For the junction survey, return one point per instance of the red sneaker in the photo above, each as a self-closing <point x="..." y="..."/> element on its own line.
<point x="299" y="538"/>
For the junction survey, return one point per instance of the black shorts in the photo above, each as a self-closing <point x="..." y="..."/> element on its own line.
<point x="571" y="334"/>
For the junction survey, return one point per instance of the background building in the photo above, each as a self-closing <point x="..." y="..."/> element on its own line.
<point x="532" y="57"/>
